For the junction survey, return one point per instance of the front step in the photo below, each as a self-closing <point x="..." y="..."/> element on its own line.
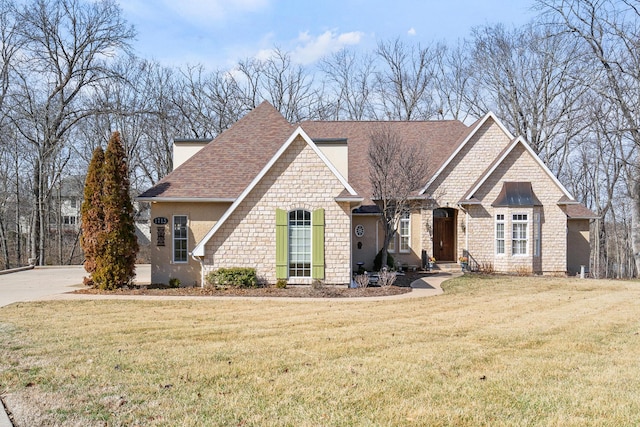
<point x="447" y="267"/>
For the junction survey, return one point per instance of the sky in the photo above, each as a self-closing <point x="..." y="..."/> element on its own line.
<point x="219" y="33"/>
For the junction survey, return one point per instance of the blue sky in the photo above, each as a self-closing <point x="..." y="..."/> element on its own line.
<point x="217" y="33"/>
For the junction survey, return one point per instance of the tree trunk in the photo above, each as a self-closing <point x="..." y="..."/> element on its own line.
<point x="635" y="221"/>
<point x="5" y="246"/>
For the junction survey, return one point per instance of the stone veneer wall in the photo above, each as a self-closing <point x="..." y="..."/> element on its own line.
<point x="520" y="166"/>
<point x="477" y="231"/>
<point x="298" y="180"/>
<point x="452" y="184"/>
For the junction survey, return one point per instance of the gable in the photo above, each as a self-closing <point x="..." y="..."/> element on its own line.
<point x="506" y="160"/>
<point x="283" y="156"/>
<point x="470" y="160"/>
<point x="518" y="164"/>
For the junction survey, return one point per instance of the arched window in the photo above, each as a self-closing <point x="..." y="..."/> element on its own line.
<point x="300" y="243"/>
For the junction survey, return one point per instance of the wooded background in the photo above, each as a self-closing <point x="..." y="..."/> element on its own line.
<point x="569" y="82"/>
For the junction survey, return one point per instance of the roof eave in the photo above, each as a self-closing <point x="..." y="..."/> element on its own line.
<point x="349" y="199"/>
<point x="187" y="199"/>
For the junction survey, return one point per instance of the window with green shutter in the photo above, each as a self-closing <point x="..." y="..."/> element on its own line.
<point x="300" y="244"/>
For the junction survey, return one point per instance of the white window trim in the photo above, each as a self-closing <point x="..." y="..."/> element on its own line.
<point x="405" y="218"/>
<point x="173" y="239"/>
<point x="310" y="245"/>
<point x="526" y="239"/>
<point x="503" y="222"/>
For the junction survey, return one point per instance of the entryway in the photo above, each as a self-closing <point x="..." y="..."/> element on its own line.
<point x="444" y="234"/>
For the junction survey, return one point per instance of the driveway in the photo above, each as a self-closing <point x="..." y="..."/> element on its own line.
<point x="44" y="282"/>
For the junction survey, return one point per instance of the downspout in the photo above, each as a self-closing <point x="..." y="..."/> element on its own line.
<point x="466" y="228"/>
<point x="201" y="261"/>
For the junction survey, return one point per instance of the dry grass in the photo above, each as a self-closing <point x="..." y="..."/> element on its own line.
<point x="490" y="351"/>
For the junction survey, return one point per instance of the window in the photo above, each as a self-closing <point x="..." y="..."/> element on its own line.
<point x="405" y="223"/>
<point x="180" y="238"/>
<point x="69" y="220"/>
<point x="74" y="203"/>
<point x="536" y="234"/>
<point x="300" y="243"/>
<point x="519" y="236"/>
<point x="500" y="234"/>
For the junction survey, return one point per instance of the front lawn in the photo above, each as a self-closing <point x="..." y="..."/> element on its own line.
<point x="490" y="351"/>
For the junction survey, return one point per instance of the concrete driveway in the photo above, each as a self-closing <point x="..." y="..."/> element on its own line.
<point x="44" y="282"/>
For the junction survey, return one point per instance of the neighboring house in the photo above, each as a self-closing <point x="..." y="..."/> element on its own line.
<point x="294" y="201"/>
<point x="69" y="195"/>
<point x="68" y="198"/>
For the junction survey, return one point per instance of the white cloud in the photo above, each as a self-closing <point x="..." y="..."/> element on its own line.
<point x="311" y="48"/>
<point x="412" y="31"/>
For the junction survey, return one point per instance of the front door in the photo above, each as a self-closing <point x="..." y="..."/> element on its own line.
<point x="444" y="227"/>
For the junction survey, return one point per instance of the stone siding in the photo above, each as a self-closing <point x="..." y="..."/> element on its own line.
<point x="298" y="180"/>
<point x="519" y="165"/>
<point x="458" y="177"/>
<point x="476" y="228"/>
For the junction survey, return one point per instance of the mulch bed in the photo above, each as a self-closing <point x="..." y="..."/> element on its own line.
<point x="401" y="286"/>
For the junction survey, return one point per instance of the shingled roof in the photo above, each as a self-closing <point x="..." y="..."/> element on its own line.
<point x="226" y="166"/>
<point x="441" y="137"/>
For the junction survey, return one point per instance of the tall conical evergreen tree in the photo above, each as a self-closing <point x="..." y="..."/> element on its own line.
<point x="116" y="265"/>
<point x="92" y="211"/>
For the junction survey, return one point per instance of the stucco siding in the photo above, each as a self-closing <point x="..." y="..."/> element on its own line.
<point x="298" y="180"/>
<point x="201" y="218"/>
<point x="370" y="241"/>
<point x="578" y="245"/>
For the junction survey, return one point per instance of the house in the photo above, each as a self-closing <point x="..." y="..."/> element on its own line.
<point x="295" y="202"/>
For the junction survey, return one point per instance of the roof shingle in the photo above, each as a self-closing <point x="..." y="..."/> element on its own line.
<point x="226" y="166"/>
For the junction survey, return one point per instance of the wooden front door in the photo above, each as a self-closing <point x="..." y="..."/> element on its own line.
<point x="444" y="227"/>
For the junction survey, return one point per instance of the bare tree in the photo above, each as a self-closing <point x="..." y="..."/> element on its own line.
<point x="351" y="78"/>
<point x="610" y="32"/>
<point x="287" y="86"/>
<point x="528" y="77"/>
<point x="397" y="171"/>
<point x="406" y="81"/>
<point x="68" y="44"/>
<point x="454" y="84"/>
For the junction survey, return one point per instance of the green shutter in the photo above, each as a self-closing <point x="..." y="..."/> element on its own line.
<point x="282" y="237"/>
<point x="317" y="241"/>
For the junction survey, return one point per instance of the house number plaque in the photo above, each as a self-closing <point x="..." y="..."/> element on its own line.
<point x="160" y="236"/>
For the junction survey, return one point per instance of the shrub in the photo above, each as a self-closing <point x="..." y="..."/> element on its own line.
<point x="317" y="284"/>
<point x="377" y="261"/>
<point x="386" y="277"/>
<point x="281" y="284"/>
<point x="362" y="280"/>
<point x="174" y="282"/>
<point x="237" y="277"/>
<point x="486" y="268"/>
